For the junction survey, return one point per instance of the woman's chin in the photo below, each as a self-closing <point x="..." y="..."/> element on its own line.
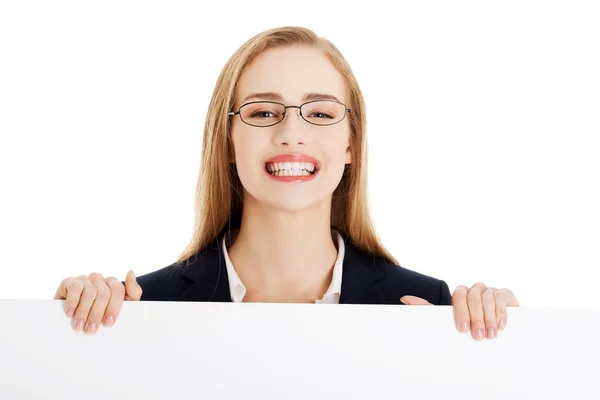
<point x="289" y="204"/>
<point x="293" y="205"/>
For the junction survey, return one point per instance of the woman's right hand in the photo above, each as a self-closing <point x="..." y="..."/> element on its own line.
<point x="92" y="300"/>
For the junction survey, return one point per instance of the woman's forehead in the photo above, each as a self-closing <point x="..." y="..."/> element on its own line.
<point x="291" y="75"/>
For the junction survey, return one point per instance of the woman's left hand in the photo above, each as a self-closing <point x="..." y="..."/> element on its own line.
<point x="480" y="309"/>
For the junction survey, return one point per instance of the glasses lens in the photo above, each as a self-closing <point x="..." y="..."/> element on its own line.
<point x="262" y="113"/>
<point x="323" y="112"/>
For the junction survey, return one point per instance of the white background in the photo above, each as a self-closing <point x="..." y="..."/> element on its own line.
<point x="483" y="134"/>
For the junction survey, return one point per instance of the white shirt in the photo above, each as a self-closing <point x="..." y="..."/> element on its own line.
<point x="332" y="296"/>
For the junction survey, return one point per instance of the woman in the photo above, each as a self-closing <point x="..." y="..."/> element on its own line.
<point x="281" y="210"/>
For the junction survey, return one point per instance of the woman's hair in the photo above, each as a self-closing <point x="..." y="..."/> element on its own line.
<point x="219" y="192"/>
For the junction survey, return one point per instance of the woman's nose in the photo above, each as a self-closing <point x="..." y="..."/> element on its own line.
<point x="291" y="130"/>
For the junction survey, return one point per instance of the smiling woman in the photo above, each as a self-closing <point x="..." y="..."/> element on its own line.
<point x="281" y="206"/>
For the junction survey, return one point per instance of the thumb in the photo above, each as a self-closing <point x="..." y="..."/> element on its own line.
<point x="414" y="301"/>
<point x="133" y="291"/>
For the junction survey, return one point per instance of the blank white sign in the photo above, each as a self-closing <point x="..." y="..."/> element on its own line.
<point x="162" y="350"/>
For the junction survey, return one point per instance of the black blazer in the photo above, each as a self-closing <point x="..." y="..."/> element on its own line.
<point x="366" y="279"/>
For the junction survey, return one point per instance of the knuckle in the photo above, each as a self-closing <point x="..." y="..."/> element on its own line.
<point x="114" y="284"/>
<point x="81" y="312"/>
<point x="461" y="289"/>
<point x="488" y="295"/>
<point x="103" y="296"/>
<point x="95" y="316"/>
<point x="489" y="317"/>
<point x="473" y="296"/>
<point x="477" y="325"/>
<point x="95" y="276"/>
<point x="66" y="280"/>
<point x="115" y="303"/>
<point x="117" y="286"/>
<point x="76" y="286"/>
<point x="118" y="293"/>
<point x="90" y="291"/>
<point x="463" y="316"/>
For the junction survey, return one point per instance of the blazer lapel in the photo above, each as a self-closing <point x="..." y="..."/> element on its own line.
<point x="206" y="276"/>
<point x="360" y="274"/>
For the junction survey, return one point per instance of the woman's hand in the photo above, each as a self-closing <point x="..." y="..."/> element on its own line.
<point x="92" y="300"/>
<point x="480" y="309"/>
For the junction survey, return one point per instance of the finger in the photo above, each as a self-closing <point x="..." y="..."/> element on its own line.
<point x="462" y="318"/>
<point x="133" y="291"/>
<point x="489" y="312"/>
<point x="85" y="303"/>
<point x="414" y="301"/>
<point x="70" y="290"/>
<point x="476" y="311"/>
<point x="96" y="314"/>
<point x="509" y="297"/>
<point x="501" y="314"/>
<point x="61" y="292"/>
<point x="117" y="296"/>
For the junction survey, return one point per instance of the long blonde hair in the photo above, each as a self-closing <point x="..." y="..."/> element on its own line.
<point x="219" y="192"/>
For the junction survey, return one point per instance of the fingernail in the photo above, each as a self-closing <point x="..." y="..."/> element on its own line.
<point x="70" y="312"/>
<point x="491" y="333"/>
<point x="464" y="327"/>
<point x="502" y="324"/>
<point x="90" y="328"/>
<point x="79" y="325"/>
<point x="108" y="321"/>
<point x="479" y="334"/>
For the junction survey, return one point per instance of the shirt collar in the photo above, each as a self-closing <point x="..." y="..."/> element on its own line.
<point x="238" y="290"/>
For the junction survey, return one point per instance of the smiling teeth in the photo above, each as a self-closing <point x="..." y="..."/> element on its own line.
<point x="285" y="172"/>
<point x="290" y="168"/>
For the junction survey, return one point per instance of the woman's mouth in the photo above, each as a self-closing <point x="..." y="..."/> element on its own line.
<point x="291" y="168"/>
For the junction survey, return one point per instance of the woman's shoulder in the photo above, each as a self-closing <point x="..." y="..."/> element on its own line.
<point x="163" y="284"/>
<point x="168" y="283"/>
<point x="393" y="281"/>
<point x="401" y="281"/>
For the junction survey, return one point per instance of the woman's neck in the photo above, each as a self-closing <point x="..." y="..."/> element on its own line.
<point x="284" y="256"/>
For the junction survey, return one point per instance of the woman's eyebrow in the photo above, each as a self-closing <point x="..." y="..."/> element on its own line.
<point x="273" y="96"/>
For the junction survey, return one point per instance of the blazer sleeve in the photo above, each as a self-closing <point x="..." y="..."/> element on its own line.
<point x="161" y="285"/>
<point x="445" y="295"/>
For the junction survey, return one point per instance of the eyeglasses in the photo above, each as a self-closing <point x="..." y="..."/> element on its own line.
<point x="269" y="113"/>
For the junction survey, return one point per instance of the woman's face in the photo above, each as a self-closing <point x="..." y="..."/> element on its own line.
<point x="292" y="165"/>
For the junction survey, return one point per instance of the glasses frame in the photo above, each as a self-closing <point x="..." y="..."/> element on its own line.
<point x="285" y="108"/>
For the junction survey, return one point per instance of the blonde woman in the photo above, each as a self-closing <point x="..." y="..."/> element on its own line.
<point x="281" y="207"/>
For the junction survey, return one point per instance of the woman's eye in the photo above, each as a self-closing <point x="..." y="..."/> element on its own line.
<point x="262" y="114"/>
<point x="320" y="115"/>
